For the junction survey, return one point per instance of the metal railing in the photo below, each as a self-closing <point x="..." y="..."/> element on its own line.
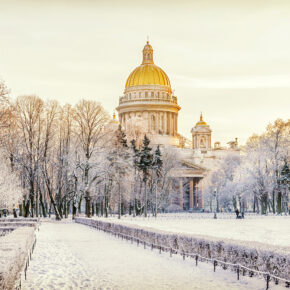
<point x="238" y="268"/>
<point x="26" y="264"/>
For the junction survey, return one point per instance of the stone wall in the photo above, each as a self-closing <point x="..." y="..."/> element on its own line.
<point x="255" y="256"/>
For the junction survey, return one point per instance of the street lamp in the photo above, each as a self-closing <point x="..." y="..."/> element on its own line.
<point x="216" y="205"/>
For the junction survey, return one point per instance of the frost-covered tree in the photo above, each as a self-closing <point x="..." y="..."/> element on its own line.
<point x="136" y="128"/>
<point x="253" y="178"/>
<point x="220" y="190"/>
<point x="121" y="165"/>
<point x="4" y="105"/>
<point x="90" y="120"/>
<point x="145" y="164"/>
<point x="157" y="165"/>
<point x="11" y="192"/>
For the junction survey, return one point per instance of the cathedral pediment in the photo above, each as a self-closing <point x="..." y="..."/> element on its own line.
<point x="189" y="169"/>
<point x="192" y="165"/>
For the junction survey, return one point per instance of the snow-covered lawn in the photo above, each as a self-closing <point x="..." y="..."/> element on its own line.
<point x="270" y="230"/>
<point x="74" y="256"/>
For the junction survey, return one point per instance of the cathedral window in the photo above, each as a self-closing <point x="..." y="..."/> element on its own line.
<point x="202" y="142"/>
<point x="146" y="94"/>
<point x="152" y="94"/>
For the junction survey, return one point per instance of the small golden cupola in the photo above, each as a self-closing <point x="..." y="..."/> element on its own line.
<point x="201" y="135"/>
<point x="201" y="122"/>
<point x="115" y="121"/>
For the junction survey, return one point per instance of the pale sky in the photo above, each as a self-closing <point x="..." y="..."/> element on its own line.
<point x="228" y="59"/>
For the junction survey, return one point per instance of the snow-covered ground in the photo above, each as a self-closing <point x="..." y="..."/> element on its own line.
<point x="74" y="256"/>
<point x="269" y="230"/>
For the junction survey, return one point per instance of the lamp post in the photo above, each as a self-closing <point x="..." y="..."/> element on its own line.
<point x="216" y="205"/>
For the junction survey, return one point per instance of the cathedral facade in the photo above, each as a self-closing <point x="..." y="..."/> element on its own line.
<point x="148" y="97"/>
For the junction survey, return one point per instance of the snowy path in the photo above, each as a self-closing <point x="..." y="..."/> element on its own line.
<point x="73" y="256"/>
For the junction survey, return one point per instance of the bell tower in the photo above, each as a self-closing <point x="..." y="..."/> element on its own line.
<point x="201" y="135"/>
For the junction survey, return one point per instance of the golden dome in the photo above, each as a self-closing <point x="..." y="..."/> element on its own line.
<point x="148" y="73"/>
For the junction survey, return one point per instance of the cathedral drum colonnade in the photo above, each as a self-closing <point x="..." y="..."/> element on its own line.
<point x="148" y="98"/>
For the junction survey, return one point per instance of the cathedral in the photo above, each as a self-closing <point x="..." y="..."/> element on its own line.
<point x="148" y="96"/>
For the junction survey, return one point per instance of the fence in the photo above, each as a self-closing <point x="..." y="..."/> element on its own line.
<point x="26" y="264"/>
<point x="238" y="268"/>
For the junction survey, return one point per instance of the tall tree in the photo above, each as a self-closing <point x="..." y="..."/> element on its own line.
<point x="145" y="164"/>
<point x="136" y="157"/>
<point x="157" y="165"/>
<point x="90" y="120"/>
<point x="29" y="111"/>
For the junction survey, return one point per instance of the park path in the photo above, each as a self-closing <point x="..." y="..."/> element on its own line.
<point x="73" y="256"/>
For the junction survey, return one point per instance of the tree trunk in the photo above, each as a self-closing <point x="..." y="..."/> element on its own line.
<point x="37" y="203"/>
<point x="264" y="204"/>
<point x="156" y="200"/>
<point x="20" y="210"/>
<point x="26" y="208"/>
<point x="80" y="206"/>
<point x="74" y="210"/>
<point x="57" y="215"/>
<point x="106" y="207"/>
<point x="88" y="206"/>
<point x="14" y="213"/>
<point x="32" y="205"/>
<point x="49" y="211"/>
<point x="42" y="207"/>
<point x="64" y="209"/>
<point x="273" y="202"/>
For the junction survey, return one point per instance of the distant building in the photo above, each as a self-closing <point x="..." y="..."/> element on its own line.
<point x="148" y="96"/>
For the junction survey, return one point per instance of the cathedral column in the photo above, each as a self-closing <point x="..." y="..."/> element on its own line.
<point x="167" y="123"/>
<point x="157" y="122"/>
<point x="163" y="123"/>
<point x="173" y="124"/>
<point x="191" y="193"/>
<point x="196" y="187"/>
<point x="200" y="194"/>
<point x="124" y="120"/>
<point x="181" y="193"/>
<point x="170" y="123"/>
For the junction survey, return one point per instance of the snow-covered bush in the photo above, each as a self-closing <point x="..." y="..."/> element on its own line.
<point x="13" y="253"/>
<point x="256" y="256"/>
